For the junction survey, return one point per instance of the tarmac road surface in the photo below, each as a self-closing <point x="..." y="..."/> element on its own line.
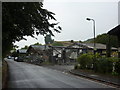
<point x="24" y="75"/>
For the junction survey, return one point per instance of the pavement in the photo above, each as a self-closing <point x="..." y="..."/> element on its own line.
<point x="103" y="78"/>
<point x="99" y="77"/>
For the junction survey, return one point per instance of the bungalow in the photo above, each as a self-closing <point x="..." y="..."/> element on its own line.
<point x="38" y="53"/>
<point x="22" y="51"/>
<point x="58" y="54"/>
<point x="21" y="54"/>
<point x="89" y="47"/>
<point x="116" y="31"/>
<point x="66" y="54"/>
<point x="63" y="54"/>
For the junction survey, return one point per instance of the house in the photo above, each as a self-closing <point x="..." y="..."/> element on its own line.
<point x="38" y="52"/>
<point x="22" y="51"/>
<point x="89" y="47"/>
<point x="21" y="54"/>
<point x="63" y="54"/>
<point x="100" y="48"/>
<point x="66" y="54"/>
<point x="58" y="54"/>
<point x="116" y="32"/>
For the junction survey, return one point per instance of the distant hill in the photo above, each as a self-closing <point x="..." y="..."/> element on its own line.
<point x="63" y="43"/>
<point x="104" y="39"/>
<point x="89" y="40"/>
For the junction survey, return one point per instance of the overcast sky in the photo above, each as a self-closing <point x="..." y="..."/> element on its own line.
<point x="72" y="16"/>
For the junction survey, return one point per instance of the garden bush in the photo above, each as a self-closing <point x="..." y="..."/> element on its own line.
<point x="117" y="67"/>
<point x="117" y="64"/>
<point x="98" y="63"/>
<point x="85" y="61"/>
<point x="103" y="65"/>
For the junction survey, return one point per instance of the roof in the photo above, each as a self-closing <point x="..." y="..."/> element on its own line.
<point x="58" y="46"/>
<point x="97" y="45"/>
<point x="85" y="45"/>
<point x="91" y="45"/>
<point x="38" y="47"/>
<point x="115" y="31"/>
<point x="22" y="50"/>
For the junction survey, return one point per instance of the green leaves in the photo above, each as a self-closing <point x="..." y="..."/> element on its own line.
<point x="26" y="19"/>
<point x="104" y="39"/>
<point x="85" y="61"/>
<point x="59" y="27"/>
<point x="23" y="17"/>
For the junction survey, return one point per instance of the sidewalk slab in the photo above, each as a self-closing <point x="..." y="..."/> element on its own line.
<point x="114" y="81"/>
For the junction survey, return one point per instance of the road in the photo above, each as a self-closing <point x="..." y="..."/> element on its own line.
<point x="23" y="75"/>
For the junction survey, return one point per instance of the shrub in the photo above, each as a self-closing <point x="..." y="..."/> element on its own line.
<point x="85" y="61"/>
<point x="100" y="64"/>
<point x="117" y="64"/>
<point x="113" y="59"/>
<point x="117" y="67"/>
<point x="115" y="73"/>
<point x="103" y="65"/>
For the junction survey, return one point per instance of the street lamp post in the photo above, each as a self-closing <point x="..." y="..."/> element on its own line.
<point x="93" y="31"/>
<point x="94" y="40"/>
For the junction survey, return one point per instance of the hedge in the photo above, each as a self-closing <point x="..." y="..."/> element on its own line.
<point x="100" y="64"/>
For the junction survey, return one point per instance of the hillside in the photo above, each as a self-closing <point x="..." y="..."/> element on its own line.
<point x="63" y="43"/>
<point x="104" y="39"/>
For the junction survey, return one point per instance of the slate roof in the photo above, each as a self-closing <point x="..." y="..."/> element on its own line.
<point x="58" y="46"/>
<point x="115" y="31"/>
<point x="22" y="51"/>
<point x="38" y="47"/>
<point x="91" y="46"/>
<point x="98" y="46"/>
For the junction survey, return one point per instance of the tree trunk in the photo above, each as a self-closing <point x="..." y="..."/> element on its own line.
<point x="108" y="47"/>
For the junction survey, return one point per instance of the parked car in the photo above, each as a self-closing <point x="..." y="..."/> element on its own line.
<point x="15" y="58"/>
<point x="9" y="57"/>
<point x="18" y="59"/>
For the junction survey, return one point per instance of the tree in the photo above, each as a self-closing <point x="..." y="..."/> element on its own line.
<point x="37" y="43"/>
<point x="72" y="41"/>
<point x="26" y="47"/>
<point x="14" y="54"/>
<point x="104" y="39"/>
<point x="21" y="19"/>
